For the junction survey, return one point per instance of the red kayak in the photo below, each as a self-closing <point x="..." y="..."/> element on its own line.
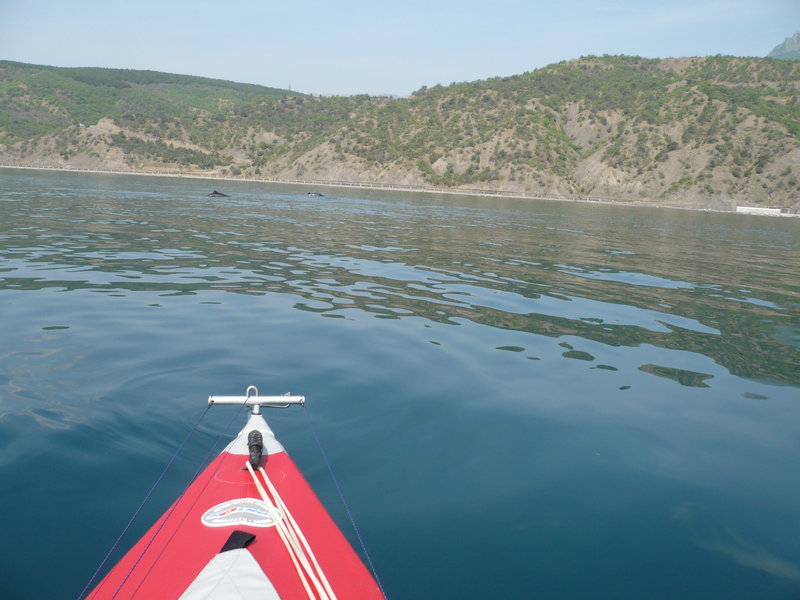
<point x="249" y="526"/>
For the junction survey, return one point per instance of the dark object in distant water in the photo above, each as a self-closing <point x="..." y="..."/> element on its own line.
<point x="216" y="194"/>
<point x="315" y="195"/>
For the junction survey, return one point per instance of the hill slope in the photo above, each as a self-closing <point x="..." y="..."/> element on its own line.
<point x="696" y="131"/>
<point x="38" y="99"/>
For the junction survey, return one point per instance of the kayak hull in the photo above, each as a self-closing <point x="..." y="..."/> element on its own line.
<point x="223" y="499"/>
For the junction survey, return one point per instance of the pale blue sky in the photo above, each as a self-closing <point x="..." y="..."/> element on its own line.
<point x="349" y="47"/>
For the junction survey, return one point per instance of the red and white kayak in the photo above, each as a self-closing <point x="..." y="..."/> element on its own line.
<point x="249" y="526"/>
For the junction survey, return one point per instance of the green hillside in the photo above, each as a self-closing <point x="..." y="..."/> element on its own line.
<point x="36" y="100"/>
<point x="705" y="132"/>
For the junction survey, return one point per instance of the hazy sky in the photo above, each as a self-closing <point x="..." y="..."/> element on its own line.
<point x="377" y="47"/>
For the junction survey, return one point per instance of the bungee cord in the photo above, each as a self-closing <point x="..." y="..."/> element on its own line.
<point x="300" y="552"/>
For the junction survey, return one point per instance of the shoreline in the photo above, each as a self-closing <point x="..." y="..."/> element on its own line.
<point x="389" y="187"/>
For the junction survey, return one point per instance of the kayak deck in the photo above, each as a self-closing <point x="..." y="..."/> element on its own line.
<point x="223" y="499"/>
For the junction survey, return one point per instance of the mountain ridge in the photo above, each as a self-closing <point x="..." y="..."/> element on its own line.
<point x="788" y="49"/>
<point x="703" y="132"/>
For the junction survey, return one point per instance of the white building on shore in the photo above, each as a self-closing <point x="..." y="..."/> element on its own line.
<point x="760" y="210"/>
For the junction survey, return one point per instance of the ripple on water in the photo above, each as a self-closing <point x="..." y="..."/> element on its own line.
<point x="630" y="278"/>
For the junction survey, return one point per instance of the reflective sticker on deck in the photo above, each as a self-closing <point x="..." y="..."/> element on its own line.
<point x="242" y="511"/>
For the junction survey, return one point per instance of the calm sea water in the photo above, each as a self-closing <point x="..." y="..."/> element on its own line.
<point x="519" y="399"/>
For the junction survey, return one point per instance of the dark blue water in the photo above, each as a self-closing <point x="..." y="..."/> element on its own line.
<point x="519" y="399"/>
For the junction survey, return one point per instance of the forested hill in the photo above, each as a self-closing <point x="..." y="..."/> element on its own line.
<point x="693" y="131"/>
<point x="37" y="99"/>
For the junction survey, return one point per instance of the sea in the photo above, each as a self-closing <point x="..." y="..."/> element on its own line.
<point x="515" y="398"/>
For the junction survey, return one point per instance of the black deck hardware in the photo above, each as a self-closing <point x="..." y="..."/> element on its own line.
<point x="255" y="443"/>
<point x="238" y="539"/>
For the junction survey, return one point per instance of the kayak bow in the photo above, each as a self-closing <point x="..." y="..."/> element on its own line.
<point x="249" y="526"/>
